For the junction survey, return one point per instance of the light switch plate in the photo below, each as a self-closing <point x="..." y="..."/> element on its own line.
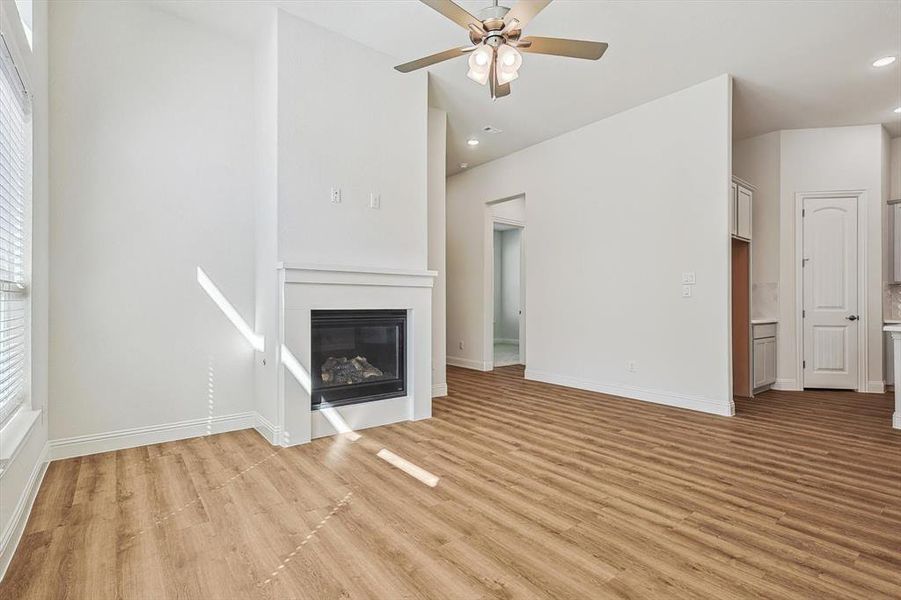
<point x="375" y="200"/>
<point x="688" y="278"/>
<point x="686" y="291"/>
<point x="335" y="195"/>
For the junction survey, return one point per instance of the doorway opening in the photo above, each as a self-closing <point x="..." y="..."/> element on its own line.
<point x="505" y="283"/>
<point x="507" y="294"/>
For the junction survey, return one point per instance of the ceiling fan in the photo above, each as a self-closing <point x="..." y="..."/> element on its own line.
<point x="494" y="57"/>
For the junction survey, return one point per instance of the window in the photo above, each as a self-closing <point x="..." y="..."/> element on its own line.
<point x="15" y="200"/>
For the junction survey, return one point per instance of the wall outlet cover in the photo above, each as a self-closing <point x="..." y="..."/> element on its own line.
<point x="686" y="291"/>
<point x="335" y="195"/>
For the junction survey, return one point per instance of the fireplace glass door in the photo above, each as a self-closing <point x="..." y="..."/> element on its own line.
<point x="357" y="356"/>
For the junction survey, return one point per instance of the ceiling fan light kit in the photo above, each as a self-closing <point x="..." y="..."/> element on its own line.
<point x="495" y="56"/>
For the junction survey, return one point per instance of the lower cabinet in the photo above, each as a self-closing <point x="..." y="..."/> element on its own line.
<point x="764" y="356"/>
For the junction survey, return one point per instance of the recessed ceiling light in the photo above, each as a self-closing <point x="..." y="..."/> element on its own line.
<point x="472" y="142"/>
<point x="464" y="165"/>
<point x="884" y="61"/>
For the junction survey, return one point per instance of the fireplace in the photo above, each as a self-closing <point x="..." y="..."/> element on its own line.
<point x="357" y="356"/>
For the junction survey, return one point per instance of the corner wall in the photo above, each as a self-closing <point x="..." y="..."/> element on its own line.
<point x="606" y="246"/>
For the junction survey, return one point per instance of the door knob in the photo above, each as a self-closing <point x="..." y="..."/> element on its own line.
<point x="852" y="318"/>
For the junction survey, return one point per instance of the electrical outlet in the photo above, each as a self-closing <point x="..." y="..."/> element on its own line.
<point x="375" y="200"/>
<point x="686" y="291"/>
<point x="461" y="344"/>
<point x="631" y="366"/>
<point x="335" y="195"/>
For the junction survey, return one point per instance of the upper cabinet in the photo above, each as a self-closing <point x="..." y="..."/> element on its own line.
<point x="895" y="243"/>
<point x="740" y="209"/>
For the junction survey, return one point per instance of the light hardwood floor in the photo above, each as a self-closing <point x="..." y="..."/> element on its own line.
<point x="544" y="492"/>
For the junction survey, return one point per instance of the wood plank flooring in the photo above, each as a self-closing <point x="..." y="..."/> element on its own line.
<point x="544" y="492"/>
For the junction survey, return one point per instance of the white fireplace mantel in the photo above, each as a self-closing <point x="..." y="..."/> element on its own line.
<point x="306" y="287"/>
<point x="351" y="275"/>
<point x="895" y="330"/>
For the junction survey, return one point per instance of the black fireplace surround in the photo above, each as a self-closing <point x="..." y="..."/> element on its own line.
<point x="357" y="356"/>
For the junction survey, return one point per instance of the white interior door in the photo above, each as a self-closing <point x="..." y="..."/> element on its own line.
<point x="831" y="317"/>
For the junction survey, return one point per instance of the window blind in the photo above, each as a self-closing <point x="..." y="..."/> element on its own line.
<point x="14" y="157"/>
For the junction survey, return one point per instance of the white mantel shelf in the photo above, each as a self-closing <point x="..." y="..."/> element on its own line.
<point x="895" y="330"/>
<point x="355" y="275"/>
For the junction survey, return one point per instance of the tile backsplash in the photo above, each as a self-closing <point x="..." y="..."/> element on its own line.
<point x="765" y="300"/>
<point x="892" y="302"/>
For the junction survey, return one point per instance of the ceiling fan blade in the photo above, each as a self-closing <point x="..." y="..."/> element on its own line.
<point x="454" y="12"/>
<point x="563" y="47"/>
<point x="502" y="90"/>
<point x="431" y="60"/>
<point x="525" y="10"/>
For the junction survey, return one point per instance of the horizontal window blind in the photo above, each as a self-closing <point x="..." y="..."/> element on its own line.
<point x="13" y="164"/>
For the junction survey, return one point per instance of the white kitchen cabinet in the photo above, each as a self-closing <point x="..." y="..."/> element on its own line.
<point x="764" y="355"/>
<point x="895" y="210"/>
<point x="740" y="209"/>
<point x="733" y="197"/>
<point x="889" y="359"/>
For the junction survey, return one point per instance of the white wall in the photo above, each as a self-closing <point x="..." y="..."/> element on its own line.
<point x="607" y="244"/>
<point x="757" y="161"/>
<point x="437" y="245"/>
<point x="152" y="158"/>
<point x="20" y="476"/>
<point x="818" y="160"/>
<point x="346" y="119"/>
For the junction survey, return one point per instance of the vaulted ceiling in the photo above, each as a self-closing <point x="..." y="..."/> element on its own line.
<point x="796" y="64"/>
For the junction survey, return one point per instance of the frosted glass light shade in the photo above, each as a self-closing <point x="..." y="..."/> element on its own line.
<point x="480" y="62"/>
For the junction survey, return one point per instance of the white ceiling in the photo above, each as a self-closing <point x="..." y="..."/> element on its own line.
<point x="796" y="64"/>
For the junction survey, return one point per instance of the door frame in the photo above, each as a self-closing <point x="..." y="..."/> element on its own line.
<point x="488" y="283"/>
<point x="860" y="197"/>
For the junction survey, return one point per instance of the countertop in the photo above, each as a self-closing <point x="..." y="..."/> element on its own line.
<point x="892" y="321"/>
<point x="768" y="321"/>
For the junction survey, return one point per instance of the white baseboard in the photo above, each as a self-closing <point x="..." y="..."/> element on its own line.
<point x="468" y="363"/>
<point x="875" y="387"/>
<point x="896" y="420"/>
<point x="439" y="389"/>
<point x="84" y="445"/>
<point x="13" y="532"/>
<point x="787" y="385"/>
<point x="698" y="403"/>
<point x="266" y="429"/>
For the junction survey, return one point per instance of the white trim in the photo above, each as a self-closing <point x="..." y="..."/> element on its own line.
<point x="860" y="197"/>
<point x="16" y="526"/>
<point x="266" y="429"/>
<point x="468" y="363"/>
<point x="787" y="385"/>
<point x="698" y="403"/>
<point x="14" y="433"/>
<point x="351" y="275"/>
<point x="439" y="390"/>
<point x="84" y="445"/>
<point x="896" y="420"/>
<point x="875" y="387"/>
